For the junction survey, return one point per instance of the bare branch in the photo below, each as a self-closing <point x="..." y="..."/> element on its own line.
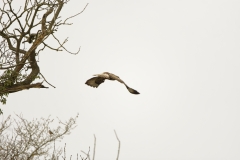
<point x="87" y="154"/>
<point x="12" y="65"/>
<point x="22" y="87"/>
<point x="46" y="80"/>
<point x="56" y="49"/>
<point x="119" y="143"/>
<point x="94" y="149"/>
<point x="75" y="14"/>
<point x="61" y="45"/>
<point x="5" y="124"/>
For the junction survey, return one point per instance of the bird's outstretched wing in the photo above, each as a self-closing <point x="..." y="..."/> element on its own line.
<point x="95" y="81"/>
<point x="114" y="77"/>
<point x="133" y="91"/>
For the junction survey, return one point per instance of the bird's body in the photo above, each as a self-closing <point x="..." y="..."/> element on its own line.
<point x="50" y="132"/>
<point x="100" y="78"/>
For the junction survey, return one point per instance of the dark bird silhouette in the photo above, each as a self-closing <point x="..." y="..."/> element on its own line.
<point x="100" y="78"/>
<point x="50" y="132"/>
<point x="30" y="38"/>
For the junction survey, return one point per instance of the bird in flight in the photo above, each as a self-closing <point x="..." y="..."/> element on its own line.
<point x="100" y="78"/>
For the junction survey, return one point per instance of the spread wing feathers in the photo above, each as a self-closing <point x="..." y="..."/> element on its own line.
<point x="133" y="91"/>
<point x="114" y="77"/>
<point x="95" y="81"/>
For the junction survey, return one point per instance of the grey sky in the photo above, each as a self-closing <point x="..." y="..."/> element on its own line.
<point x="181" y="55"/>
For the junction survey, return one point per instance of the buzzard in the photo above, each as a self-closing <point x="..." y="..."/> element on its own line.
<point x="100" y="78"/>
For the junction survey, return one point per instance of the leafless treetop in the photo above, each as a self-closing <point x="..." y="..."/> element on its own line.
<point x="23" y="32"/>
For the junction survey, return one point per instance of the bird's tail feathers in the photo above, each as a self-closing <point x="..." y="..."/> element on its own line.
<point x="133" y="91"/>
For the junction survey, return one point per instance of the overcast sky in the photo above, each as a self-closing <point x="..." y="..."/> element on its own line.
<point x="183" y="56"/>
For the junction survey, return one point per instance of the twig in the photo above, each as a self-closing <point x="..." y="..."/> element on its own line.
<point x="87" y="154"/>
<point x="76" y="14"/>
<point x="61" y="45"/>
<point x="52" y="47"/>
<point x="64" y="156"/>
<point x="46" y="80"/>
<point x="53" y="155"/>
<point x="118" y="144"/>
<point x="94" y="147"/>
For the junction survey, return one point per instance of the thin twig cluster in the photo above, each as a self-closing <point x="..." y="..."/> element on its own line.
<point x="32" y="139"/>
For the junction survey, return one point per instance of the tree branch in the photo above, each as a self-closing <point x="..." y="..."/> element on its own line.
<point x="94" y="149"/>
<point x="46" y="80"/>
<point x="21" y="87"/>
<point x="119" y="143"/>
<point x="75" y="14"/>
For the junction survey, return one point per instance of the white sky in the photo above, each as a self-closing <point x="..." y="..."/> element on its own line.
<point x="181" y="55"/>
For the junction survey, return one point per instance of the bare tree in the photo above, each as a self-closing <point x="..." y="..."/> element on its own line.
<point x="31" y="139"/>
<point x="21" y="139"/>
<point x="23" y="35"/>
